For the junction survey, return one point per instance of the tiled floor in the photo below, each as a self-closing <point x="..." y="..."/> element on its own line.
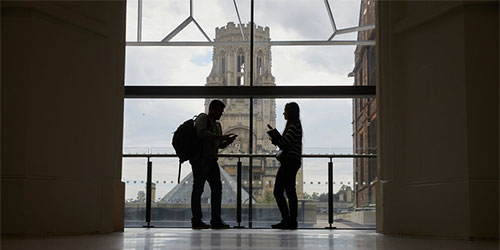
<point x="147" y="239"/>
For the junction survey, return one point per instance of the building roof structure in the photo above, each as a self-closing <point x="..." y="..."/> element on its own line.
<point x="181" y="193"/>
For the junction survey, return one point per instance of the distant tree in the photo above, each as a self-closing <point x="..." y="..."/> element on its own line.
<point x="323" y="197"/>
<point x="315" y="196"/>
<point x="268" y="197"/>
<point x="307" y="196"/>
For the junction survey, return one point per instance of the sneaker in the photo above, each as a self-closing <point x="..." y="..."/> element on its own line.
<point x="199" y="225"/>
<point x="292" y="225"/>
<point x="282" y="225"/>
<point x="219" y="225"/>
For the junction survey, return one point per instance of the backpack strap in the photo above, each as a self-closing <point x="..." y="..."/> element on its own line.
<point x="209" y="124"/>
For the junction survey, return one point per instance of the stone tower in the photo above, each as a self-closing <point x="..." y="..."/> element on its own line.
<point x="230" y="69"/>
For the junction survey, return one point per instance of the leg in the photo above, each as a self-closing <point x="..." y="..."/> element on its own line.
<point x="291" y="192"/>
<point x="279" y="188"/>
<point x="213" y="178"/>
<point x="199" y="177"/>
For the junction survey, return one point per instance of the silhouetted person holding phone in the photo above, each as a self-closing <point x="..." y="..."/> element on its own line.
<point x="205" y="166"/>
<point x="290" y="158"/>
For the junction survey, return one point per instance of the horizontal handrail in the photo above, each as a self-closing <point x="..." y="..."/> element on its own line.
<point x="264" y="43"/>
<point x="259" y="155"/>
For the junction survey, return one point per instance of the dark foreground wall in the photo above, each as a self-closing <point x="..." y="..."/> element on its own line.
<point x="437" y="93"/>
<point x="62" y="111"/>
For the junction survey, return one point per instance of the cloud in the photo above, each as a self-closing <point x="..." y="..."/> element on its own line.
<point x="298" y="66"/>
<point x="202" y="60"/>
<point x="300" y="20"/>
<point x="150" y="123"/>
<point x="305" y="19"/>
<point x="166" y="66"/>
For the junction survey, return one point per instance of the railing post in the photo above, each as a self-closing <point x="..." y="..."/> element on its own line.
<point x="250" y="141"/>
<point x="238" y="194"/>
<point x="330" y="195"/>
<point x="250" y="191"/>
<point x="139" y="20"/>
<point x="179" y="174"/>
<point x="148" y="193"/>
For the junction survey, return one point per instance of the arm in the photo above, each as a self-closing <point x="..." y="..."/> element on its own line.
<point x="276" y="141"/>
<point x="274" y="134"/>
<point x="201" y="125"/>
<point x="227" y="139"/>
<point x="289" y="138"/>
<point x="224" y="144"/>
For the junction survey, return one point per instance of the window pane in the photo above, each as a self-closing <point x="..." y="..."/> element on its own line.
<point x="134" y="177"/>
<point x="223" y="64"/>
<point x="152" y="123"/>
<point x="167" y="65"/>
<point x="148" y="129"/>
<point x="329" y="128"/>
<point x="314" y="22"/>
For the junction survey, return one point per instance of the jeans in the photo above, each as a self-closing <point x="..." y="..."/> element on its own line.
<point x="206" y="170"/>
<point x="285" y="182"/>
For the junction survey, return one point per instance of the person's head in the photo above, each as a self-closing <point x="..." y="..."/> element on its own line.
<point x="216" y="109"/>
<point x="292" y="112"/>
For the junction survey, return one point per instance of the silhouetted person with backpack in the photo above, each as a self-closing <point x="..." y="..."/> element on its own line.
<point x="205" y="166"/>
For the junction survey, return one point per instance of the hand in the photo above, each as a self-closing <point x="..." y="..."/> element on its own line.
<point x="269" y="126"/>
<point x="225" y="137"/>
<point x="232" y="138"/>
<point x="229" y="138"/>
<point x="274" y="142"/>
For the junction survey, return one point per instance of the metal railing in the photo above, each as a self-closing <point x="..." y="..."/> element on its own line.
<point x="238" y="180"/>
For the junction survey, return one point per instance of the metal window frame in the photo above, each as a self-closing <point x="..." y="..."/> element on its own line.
<point x="248" y="92"/>
<point x="328" y="42"/>
<point x="154" y="92"/>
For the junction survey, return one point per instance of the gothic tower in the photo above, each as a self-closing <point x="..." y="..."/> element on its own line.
<point x="230" y="68"/>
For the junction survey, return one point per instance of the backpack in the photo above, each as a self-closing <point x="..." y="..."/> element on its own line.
<point x="186" y="142"/>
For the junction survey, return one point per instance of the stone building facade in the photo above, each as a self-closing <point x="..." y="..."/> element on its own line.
<point x="230" y="69"/>
<point x="365" y="112"/>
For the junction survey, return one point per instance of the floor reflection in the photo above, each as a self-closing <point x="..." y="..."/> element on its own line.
<point x="149" y="239"/>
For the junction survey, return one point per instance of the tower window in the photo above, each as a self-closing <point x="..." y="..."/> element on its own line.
<point x="240" y="61"/>
<point x="259" y="62"/>
<point x="223" y="64"/>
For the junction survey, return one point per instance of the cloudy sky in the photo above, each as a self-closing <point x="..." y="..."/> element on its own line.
<point x="149" y="123"/>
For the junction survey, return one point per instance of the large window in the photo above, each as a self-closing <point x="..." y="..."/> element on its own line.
<point x="149" y="124"/>
<point x="170" y="46"/>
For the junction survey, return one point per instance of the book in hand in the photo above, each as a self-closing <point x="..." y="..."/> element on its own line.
<point x="274" y="134"/>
